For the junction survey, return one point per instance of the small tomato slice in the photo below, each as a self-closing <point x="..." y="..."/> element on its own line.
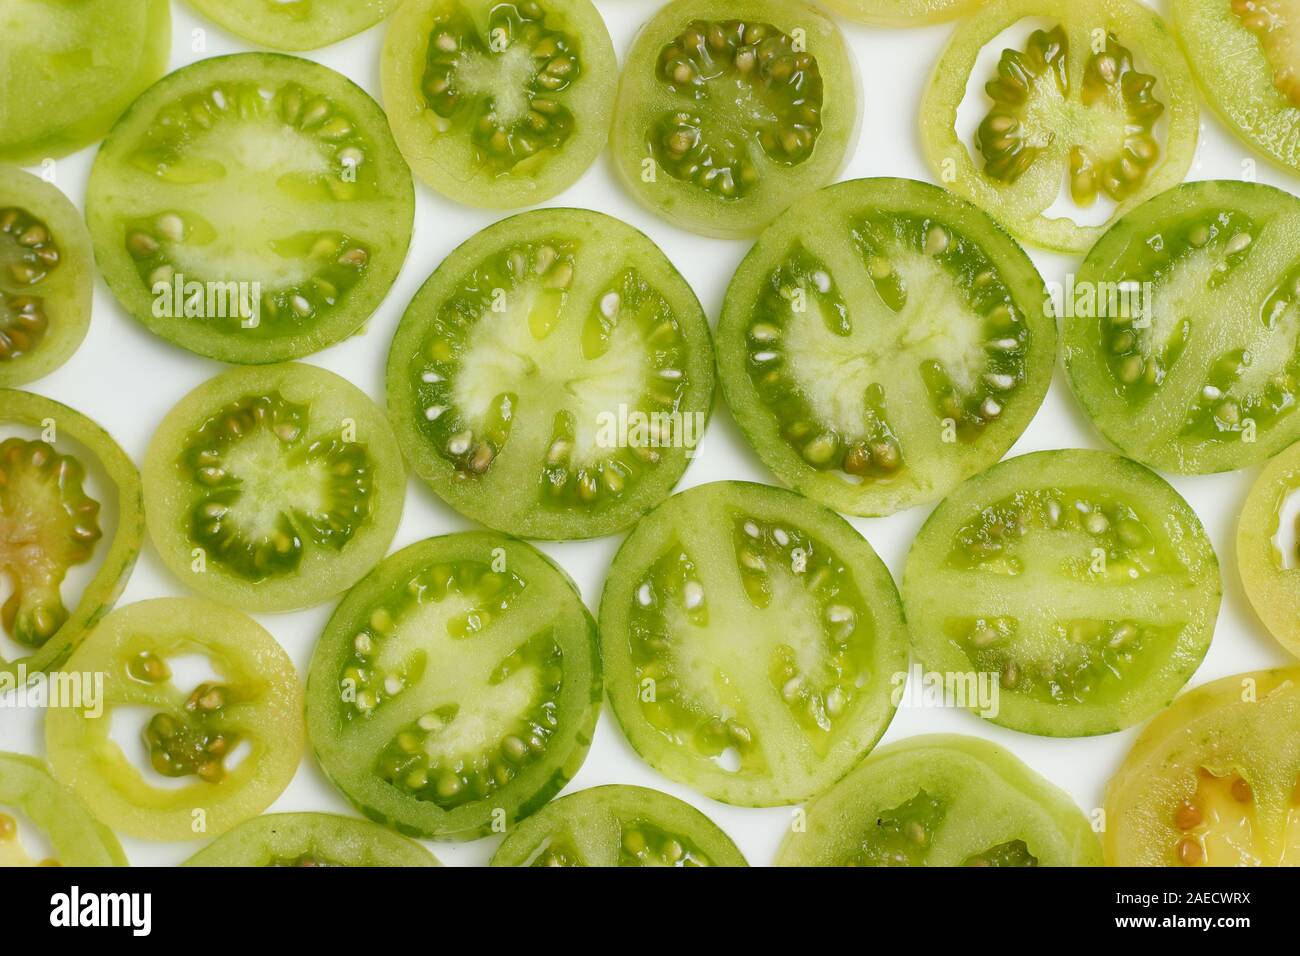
<point x="1214" y="780"/>
<point x="1100" y="97"/>
<point x="74" y="837"/>
<point x="211" y="753"/>
<point x="1269" y="572"/>
<point x="311" y="839"/>
<point x="618" y="826"/>
<point x="942" y="800"/>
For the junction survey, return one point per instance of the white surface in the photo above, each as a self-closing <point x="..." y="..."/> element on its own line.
<point x="127" y="380"/>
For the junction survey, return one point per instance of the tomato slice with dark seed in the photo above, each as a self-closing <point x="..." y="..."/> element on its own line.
<point x="1244" y="56"/>
<point x="311" y="839"/>
<point x="499" y="104"/>
<point x="294" y="24"/>
<point x="1214" y="780"/>
<point x="67" y="71"/>
<point x="69" y="496"/>
<point x="251" y="208"/>
<point x="1268" y="556"/>
<point x="884" y="341"/>
<point x="1079" y="582"/>
<point x="209" y="752"/>
<point x="750" y="637"/>
<point x="553" y="376"/>
<point x="942" y="800"/>
<point x="1187" y="355"/>
<point x="274" y="488"/>
<point x="1099" y="95"/>
<point x="729" y="111"/>
<point x="46" y="277"/>
<point x="618" y="826"/>
<point x="35" y="808"/>
<point x="456" y="688"/>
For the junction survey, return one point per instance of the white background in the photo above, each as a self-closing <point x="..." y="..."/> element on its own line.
<point x="127" y="380"/>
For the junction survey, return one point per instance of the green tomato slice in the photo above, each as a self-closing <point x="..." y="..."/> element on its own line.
<point x="1270" y="569"/>
<point x="1214" y="780"/>
<point x="942" y="800"/>
<point x="68" y="70"/>
<point x="311" y="839"/>
<point x="456" y="688"/>
<point x="69" y="496"/>
<point x="1100" y="97"/>
<point x="294" y="24"/>
<point x="618" y="826"/>
<point x="553" y="377"/>
<point x="901" y="13"/>
<point x="273" y="488"/>
<point x="1079" y="581"/>
<point x="750" y="638"/>
<point x="210" y="754"/>
<point x="47" y="273"/>
<point x="884" y="341"/>
<point x="729" y="111"/>
<point x="499" y="105"/>
<point x="251" y="208"/>
<point x="74" y="837"/>
<point x="1244" y="56"/>
<point x="1184" y="345"/>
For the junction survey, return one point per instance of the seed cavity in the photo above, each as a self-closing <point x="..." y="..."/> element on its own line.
<point x="28" y="254"/>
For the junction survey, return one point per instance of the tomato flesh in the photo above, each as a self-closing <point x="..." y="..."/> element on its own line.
<point x="67" y="71"/>
<point x="456" y="687"/>
<point x="1214" y="780"/>
<point x="212" y="753"/>
<point x="273" y="488"/>
<point x="901" y="12"/>
<point x="749" y="638"/>
<point x="1196" y="369"/>
<point x="553" y="376"/>
<point x="500" y="105"/>
<point x="729" y="111"/>
<point x="46" y="277"/>
<point x="1078" y="581"/>
<point x="52" y="520"/>
<point x="295" y="24"/>
<point x="1267" y="565"/>
<point x="618" y="826"/>
<point x="1117" y="119"/>
<point x="74" y="836"/>
<point x="251" y="208"/>
<point x="882" y="342"/>
<point x="311" y="839"/>
<point x="942" y="800"/>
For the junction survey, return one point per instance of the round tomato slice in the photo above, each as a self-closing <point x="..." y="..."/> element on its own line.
<point x="68" y="70"/>
<point x="211" y="752"/>
<point x="1214" y="780"/>
<point x="750" y="638"/>
<point x="1269" y="574"/>
<point x="294" y="24"/>
<point x="1244" y="56"/>
<point x="1079" y="582"/>
<point x="618" y="826"/>
<point x="456" y="688"/>
<point x="251" y="208"/>
<point x="311" y="839"/>
<point x="553" y="377"/>
<point x="29" y="796"/>
<point x="1098" y="96"/>
<point x="69" y="496"/>
<point x="901" y="13"/>
<point x="1184" y="342"/>
<point x="273" y="488"/>
<point x="729" y="111"/>
<point x="884" y="341"/>
<point x="942" y="800"/>
<point x="499" y="105"/>
<point x="47" y="274"/>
